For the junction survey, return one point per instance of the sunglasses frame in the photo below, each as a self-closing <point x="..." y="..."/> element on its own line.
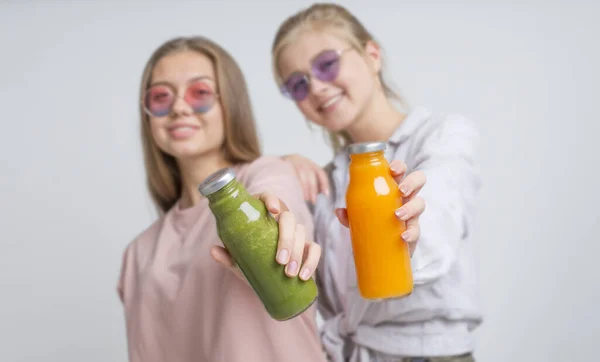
<point x="175" y="97"/>
<point x="307" y="76"/>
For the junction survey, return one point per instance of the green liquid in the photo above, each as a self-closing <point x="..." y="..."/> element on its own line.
<point x="250" y="235"/>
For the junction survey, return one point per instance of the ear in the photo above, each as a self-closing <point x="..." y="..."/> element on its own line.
<point x="373" y="55"/>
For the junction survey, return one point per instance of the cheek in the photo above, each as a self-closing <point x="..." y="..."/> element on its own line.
<point x="305" y="107"/>
<point x="309" y="111"/>
<point x="157" y="130"/>
<point x="159" y="135"/>
<point x="215" y="125"/>
<point x="357" y="81"/>
<point x="351" y="84"/>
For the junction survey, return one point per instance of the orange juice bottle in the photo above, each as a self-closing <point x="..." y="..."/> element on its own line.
<point x="381" y="257"/>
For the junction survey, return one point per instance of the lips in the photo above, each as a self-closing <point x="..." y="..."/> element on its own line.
<point x="182" y="130"/>
<point x="330" y="103"/>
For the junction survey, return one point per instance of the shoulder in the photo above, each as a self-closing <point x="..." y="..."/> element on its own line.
<point x="448" y="126"/>
<point x="270" y="162"/>
<point x="144" y="241"/>
<point x="443" y="134"/>
<point x="273" y="174"/>
<point x="135" y="253"/>
<point x="265" y="167"/>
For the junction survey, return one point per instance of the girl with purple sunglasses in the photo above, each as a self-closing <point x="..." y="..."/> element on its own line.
<point x="331" y="67"/>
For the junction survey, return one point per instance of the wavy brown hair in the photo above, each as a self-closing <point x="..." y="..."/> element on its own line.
<point x="241" y="143"/>
<point x="327" y="17"/>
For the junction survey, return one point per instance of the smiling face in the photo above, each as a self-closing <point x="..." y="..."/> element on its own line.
<point x="334" y="102"/>
<point x="185" y="117"/>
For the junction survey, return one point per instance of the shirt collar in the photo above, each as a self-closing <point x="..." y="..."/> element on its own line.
<point x="402" y="133"/>
<point x="409" y="125"/>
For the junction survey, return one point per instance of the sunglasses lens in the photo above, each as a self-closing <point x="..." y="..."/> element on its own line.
<point x="297" y="86"/>
<point x="159" y="100"/>
<point x="200" y="97"/>
<point x="326" y="66"/>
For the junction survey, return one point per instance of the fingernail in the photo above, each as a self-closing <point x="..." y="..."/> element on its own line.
<point x="405" y="235"/>
<point x="326" y="192"/>
<point x="394" y="169"/>
<point x="305" y="274"/>
<point x="404" y="189"/>
<point x="292" y="267"/>
<point x="282" y="256"/>
<point x="400" y="212"/>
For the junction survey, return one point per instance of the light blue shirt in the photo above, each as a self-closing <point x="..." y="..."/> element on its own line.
<point x="438" y="318"/>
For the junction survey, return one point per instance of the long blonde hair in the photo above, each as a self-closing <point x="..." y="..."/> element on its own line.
<point x="241" y="143"/>
<point x="331" y="17"/>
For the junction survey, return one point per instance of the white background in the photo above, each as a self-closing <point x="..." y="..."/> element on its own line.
<point x="72" y="186"/>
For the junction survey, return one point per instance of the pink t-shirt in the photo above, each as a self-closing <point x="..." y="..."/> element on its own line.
<point x="181" y="306"/>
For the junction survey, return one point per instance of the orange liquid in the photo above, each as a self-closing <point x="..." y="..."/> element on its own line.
<point x="381" y="257"/>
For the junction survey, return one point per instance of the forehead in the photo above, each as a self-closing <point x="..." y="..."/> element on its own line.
<point x="297" y="55"/>
<point x="180" y="67"/>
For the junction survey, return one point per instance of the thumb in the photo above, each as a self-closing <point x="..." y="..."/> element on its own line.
<point x="221" y="256"/>
<point x="342" y="215"/>
<point x="274" y="205"/>
<point x="323" y="181"/>
<point x="398" y="170"/>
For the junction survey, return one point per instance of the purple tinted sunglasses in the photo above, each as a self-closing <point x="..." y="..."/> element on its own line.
<point x="325" y="66"/>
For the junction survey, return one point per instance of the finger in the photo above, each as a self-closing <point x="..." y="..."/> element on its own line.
<point x="342" y="215"/>
<point x="299" y="172"/>
<point x="413" y="231"/>
<point x="297" y="250"/>
<point x="412" y="208"/>
<point x="411" y="248"/>
<point x="274" y="205"/>
<point x="302" y="175"/>
<point x="313" y="186"/>
<point x="323" y="181"/>
<point x="398" y="169"/>
<point x="412" y="183"/>
<point x="221" y="256"/>
<point x="312" y="255"/>
<point x="287" y="234"/>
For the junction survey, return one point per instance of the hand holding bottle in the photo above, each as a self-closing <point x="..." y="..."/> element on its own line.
<point x="300" y="255"/>
<point x="413" y="205"/>
<point x="263" y="242"/>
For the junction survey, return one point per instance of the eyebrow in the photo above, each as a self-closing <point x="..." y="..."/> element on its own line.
<point x="191" y="80"/>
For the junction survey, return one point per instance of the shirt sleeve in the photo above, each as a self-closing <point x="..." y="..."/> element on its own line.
<point x="447" y="156"/>
<point x="279" y="178"/>
<point x="122" y="274"/>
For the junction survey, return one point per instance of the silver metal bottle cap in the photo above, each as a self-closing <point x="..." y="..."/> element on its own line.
<point x="216" y="181"/>
<point x="366" y="147"/>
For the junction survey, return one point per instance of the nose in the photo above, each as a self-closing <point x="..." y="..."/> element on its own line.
<point x="317" y="86"/>
<point x="181" y="108"/>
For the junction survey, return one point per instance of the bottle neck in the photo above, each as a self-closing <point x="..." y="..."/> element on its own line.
<point x="368" y="159"/>
<point x="228" y="198"/>
<point x="364" y="164"/>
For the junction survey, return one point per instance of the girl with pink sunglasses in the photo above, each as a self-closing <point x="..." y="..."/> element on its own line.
<point x="180" y="304"/>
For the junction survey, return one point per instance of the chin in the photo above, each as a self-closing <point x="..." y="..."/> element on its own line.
<point x="183" y="151"/>
<point x="335" y="125"/>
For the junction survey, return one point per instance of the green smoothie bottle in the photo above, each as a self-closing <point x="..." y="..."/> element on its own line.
<point x="250" y="235"/>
